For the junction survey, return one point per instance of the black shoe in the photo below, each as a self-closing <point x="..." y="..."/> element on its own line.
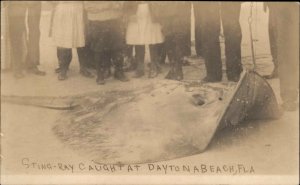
<point x="170" y="75"/>
<point x="273" y="75"/>
<point x="234" y="79"/>
<point x="57" y="70"/>
<point x="36" y="71"/>
<point x="62" y="76"/>
<point x="210" y="80"/>
<point x="100" y="79"/>
<point x="154" y="71"/>
<point x="119" y="75"/>
<point x="132" y="64"/>
<point x="178" y="74"/>
<point x="19" y="75"/>
<point x="86" y="73"/>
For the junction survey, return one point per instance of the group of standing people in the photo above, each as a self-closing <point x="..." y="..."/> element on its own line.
<point x="105" y="32"/>
<point x="109" y="30"/>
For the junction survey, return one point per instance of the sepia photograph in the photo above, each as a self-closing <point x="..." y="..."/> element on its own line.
<point x="149" y="92"/>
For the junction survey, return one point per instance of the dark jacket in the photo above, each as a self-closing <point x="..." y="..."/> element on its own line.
<point x="173" y="16"/>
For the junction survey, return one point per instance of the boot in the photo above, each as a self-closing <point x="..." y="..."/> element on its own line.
<point x="178" y="74"/>
<point x="209" y="79"/>
<point x="154" y="70"/>
<point x="119" y="75"/>
<point x="100" y="77"/>
<point x="86" y="73"/>
<point x="62" y="75"/>
<point x="139" y="70"/>
<point x="171" y="72"/>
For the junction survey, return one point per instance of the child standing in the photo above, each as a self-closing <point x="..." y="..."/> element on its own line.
<point x="68" y="32"/>
<point x="143" y="30"/>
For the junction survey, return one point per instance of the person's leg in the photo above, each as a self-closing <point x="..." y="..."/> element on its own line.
<point x="179" y="54"/>
<point x="162" y="53"/>
<point x="81" y="52"/>
<point x="272" y="41"/>
<point x="288" y="53"/>
<point x="108" y="62"/>
<point x="33" y="44"/>
<point x="233" y="37"/>
<point x="118" y="60"/>
<point x="140" y="58"/>
<point x="170" y="52"/>
<point x="198" y="6"/>
<point x="16" y="19"/>
<point x="130" y="60"/>
<point x="154" y="57"/>
<point x="98" y="58"/>
<point x="211" y="42"/>
<point x="64" y="56"/>
<point x="116" y="47"/>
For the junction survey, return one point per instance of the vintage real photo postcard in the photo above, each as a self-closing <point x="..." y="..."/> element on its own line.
<point x="149" y="92"/>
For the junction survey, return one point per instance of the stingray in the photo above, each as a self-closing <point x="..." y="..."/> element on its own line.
<point x="158" y="122"/>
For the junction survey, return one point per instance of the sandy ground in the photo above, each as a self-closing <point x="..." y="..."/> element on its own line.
<point x="270" y="147"/>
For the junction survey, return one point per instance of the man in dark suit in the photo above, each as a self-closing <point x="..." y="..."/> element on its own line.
<point x="17" y="30"/>
<point x="210" y="22"/>
<point x="172" y="17"/>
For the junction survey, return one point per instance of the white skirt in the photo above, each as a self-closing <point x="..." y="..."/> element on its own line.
<point x="68" y="25"/>
<point x="141" y="30"/>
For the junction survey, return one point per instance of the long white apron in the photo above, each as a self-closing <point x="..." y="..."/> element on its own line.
<point x="141" y="30"/>
<point x="68" y="25"/>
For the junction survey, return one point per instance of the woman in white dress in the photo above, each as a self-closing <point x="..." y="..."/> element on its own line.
<point x="143" y="30"/>
<point x="68" y="31"/>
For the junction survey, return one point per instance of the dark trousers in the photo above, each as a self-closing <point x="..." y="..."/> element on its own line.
<point x="107" y="43"/>
<point x="186" y="24"/>
<point x="175" y="49"/>
<point x="128" y="51"/>
<point x="211" y="45"/>
<point x="104" y="59"/>
<point x="17" y="28"/>
<point x="230" y="15"/>
<point x="64" y="56"/>
<point x="272" y="34"/>
<point x="198" y="31"/>
<point x="287" y="29"/>
<point x="229" y="12"/>
<point x="162" y="53"/>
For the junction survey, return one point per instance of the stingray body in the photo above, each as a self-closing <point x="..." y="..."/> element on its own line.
<point x="159" y="122"/>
